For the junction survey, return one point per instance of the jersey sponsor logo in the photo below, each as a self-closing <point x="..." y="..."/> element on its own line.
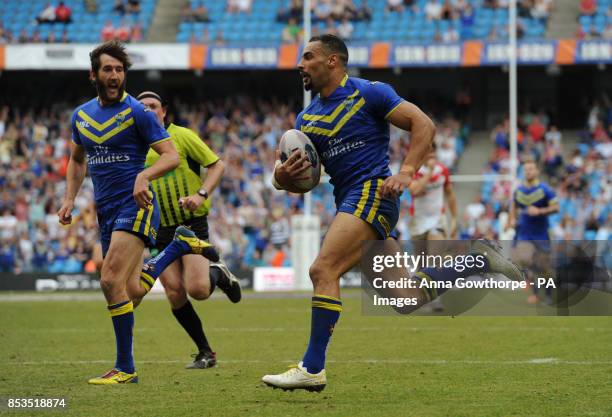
<point x="123" y="221"/>
<point x="337" y="147"/>
<point x="102" y="155"/>
<point x="108" y="159"/>
<point x="83" y="123"/>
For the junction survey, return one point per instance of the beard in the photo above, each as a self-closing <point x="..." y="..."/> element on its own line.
<point x="307" y="85"/>
<point x="101" y="89"/>
<point x="306" y="82"/>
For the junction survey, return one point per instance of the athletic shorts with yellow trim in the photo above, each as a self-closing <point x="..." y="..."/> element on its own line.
<point x="364" y="201"/>
<point x="125" y="215"/>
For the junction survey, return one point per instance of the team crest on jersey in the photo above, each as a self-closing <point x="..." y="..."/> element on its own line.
<point x="119" y="118"/>
<point x="348" y="103"/>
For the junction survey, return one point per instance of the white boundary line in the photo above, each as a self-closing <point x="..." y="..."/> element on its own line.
<point x="343" y="329"/>
<point x="534" y="361"/>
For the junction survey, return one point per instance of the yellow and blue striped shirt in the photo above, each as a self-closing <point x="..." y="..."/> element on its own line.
<point x="350" y="131"/>
<point x="116" y="139"/>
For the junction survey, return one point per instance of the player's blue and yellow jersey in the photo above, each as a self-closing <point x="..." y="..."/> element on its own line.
<point x="116" y="138"/>
<point x="350" y="132"/>
<point x="539" y="195"/>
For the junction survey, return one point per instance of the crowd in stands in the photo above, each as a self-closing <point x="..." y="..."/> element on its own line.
<point x="6" y="36"/>
<point x="373" y="20"/>
<point x="131" y="6"/>
<point x="197" y="13"/>
<point x="129" y="29"/>
<point x="52" y="24"/>
<point x="581" y="176"/>
<point x="52" y="14"/>
<point x="249" y="220"/>
<point x="323" y="10"/>
<point x="595" y="19"/>
<point x="123" y="32"/>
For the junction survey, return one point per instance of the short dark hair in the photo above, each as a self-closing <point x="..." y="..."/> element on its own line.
<point x="152" y="94"/>
<point x="333" y="44"/>
<point x="113" y="48"/>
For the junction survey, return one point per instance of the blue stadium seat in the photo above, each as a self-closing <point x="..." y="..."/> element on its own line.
<point x="585" y="21"/>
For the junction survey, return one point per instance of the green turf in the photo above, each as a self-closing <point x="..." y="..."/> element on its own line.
<point x="379" y="366"/>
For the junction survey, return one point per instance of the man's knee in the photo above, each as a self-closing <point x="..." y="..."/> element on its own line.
<point x="173" y="286"/>
<point x="198" y="291"/>
<point x="110" y="278"/>
<point x="176" y="296"/>
<point x="322" y="270"/>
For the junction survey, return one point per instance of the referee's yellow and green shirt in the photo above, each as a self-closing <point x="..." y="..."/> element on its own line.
<point x="185" y="179"/>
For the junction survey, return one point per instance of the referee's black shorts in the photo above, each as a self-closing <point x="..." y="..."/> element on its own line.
<point x="199" y="225"/>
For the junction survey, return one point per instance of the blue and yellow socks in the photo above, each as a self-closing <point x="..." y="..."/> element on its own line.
<point x="122" y="315"/>
<point x="446" y="275"/>
<point x="153" y="268"/>
<point x="325" y="313"/>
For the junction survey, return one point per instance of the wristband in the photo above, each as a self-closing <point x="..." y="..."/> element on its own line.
<point x="274" y="182"/>
<point x="203" y="193"/>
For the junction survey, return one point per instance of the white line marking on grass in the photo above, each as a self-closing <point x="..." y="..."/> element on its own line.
<point x="398" y="329"/>
<point x="98" y="296"/>
<point x="536" y="361"/>
<point x="544" y="360"/>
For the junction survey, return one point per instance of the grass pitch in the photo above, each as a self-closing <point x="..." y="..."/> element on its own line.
<point x="378" y="366"/>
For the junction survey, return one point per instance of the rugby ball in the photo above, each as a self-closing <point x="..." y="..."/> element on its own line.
<point x="295" y="140"/>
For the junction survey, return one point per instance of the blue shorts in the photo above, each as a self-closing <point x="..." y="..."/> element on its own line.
<point x="126" y="215"/>
<point x="540" y="242"/>
<point x="364" y="202"/>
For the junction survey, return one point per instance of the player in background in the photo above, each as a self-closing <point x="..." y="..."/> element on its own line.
<point x="431" y="189"/>
<point x="111" y="135"/>
<point x="348" y="122"/>
<point x="532" y="203"/>
<point x="184" y="200"/>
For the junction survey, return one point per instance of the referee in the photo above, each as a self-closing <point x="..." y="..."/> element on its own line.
<point x="184" y="200"/>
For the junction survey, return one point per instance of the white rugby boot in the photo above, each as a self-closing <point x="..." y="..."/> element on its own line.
<point x="297" y="377"/>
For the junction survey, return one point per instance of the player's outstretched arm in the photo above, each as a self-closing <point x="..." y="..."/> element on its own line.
<point x="77" y="168"/>
<point x="285" y="173"/>
<point x="409" y="117"/>
<point x="168" y="160"/>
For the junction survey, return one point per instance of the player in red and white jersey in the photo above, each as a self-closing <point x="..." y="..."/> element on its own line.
<point x="430" y="188"/>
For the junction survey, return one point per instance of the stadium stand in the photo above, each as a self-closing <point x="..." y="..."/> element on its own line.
<point x="249" y="221"/>
<point x="18" y="20"/>
<point x="264" y="21"/>
<point x="580" y="174"/>
<point x="595" y="19"/>
<point x="371" y="20"/>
